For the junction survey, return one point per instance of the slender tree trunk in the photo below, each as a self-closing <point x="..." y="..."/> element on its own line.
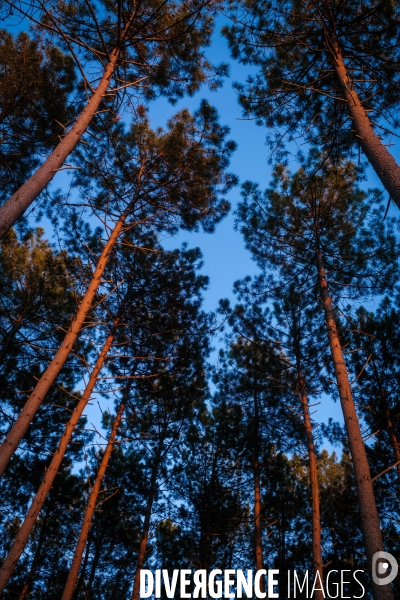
<point x="116" y="587"/>
<point x="257" y="494"/>
<point x="388" y="423"/>
<point x="231" y="544"/>
<point x="18" y="430"/>
<point x="26" y="589"/>
<point x="83" y="571"/>
<point x="393" y="439"/>
<point x="17" y="204"/>
<point x="147" y="516"/>
<point x="87" y="520"/>
<point x="381" y="160"/>
<point x="37" y="503"/>
<point x="315" y="505"/>
<point x="368" y="511"/>
<point x="95" y="562"/>
<point x="334" y="548"/>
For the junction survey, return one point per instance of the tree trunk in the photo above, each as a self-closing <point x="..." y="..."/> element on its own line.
<point x="37" y="503"/>
<point x="87" y="520"/>
<point x="257" y="495"/>
<point x="384" y="410"/>
<point x="18" y="430"/>
<point x="393" y="439"/>
<point x="83" y="571"/>
<point x="17" y="204"/>
<point x="368" y="512"/>
<point x="312" y="461"/>
<point x="381" y="160"/>
<point x="147" y="516"/>
<point x="95" y="562"/>
<point x="26" y="589"/>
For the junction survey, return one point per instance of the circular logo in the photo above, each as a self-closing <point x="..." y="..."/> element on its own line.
<point x="384" y="568"/>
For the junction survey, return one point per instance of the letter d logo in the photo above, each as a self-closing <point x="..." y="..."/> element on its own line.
<point x="381" y="561"/>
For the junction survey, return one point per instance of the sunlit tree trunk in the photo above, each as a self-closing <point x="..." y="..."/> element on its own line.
<point x="38" y="501"/>
<point x="147" y="517"/>
<point x="34" y="401"/>
<point x="379" y="157"/>
<point x="368" y="511"/>
<point x="87" y="520"/>
<point x="17" y="204"/>
<point x="313" y="474"/>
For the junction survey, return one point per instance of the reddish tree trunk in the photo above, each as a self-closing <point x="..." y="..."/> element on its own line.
<point x="96" y="559"/>
<point x="37" y="503"/>
<point x="381" y="160"/>
<point x="147" y="517"/>
<point x="18" y="430"/>
<point x="17" y="204"/>
<point x="368" y="512"/>
<point x="83" y="571"/>
<point x="315" y="505"/>
<point x="87" y="520"/>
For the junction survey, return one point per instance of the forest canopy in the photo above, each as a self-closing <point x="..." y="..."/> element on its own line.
<point x="144" y="427"/>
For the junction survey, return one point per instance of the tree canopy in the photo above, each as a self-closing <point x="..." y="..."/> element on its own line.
<point x="139" y="430"/>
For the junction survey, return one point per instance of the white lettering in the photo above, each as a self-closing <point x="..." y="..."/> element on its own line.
<point x="228" y="583"/>
<point x="259" y="594"/>
<point x="215" y="587"/>
<point x="320" y="589"/>
<point x="246" y="584"/>
<point x="143" y="574"/>
<point x="334" y="584"/>
<point x="272" y="582"/>
<point x="200" y="581"/>
<point x="305" y="583"/>
<point x="184" y="583"/>
<point x="343" y="582"/>
<point x="359" y="582"/>
<point x="170" y="589"/>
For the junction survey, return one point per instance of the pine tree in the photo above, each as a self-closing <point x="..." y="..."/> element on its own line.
<point x="305" y="226"/>
<point x="323" y="67"/>
<point x="172" y="179"/>
<point x="376" y="365"/>
<point x="152" y="48"/>
<point x="290" y="364"/>
<point x="35" y="85"/>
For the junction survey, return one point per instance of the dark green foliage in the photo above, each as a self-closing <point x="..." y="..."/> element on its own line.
<point x="36" y="81"/>
<point x="295" y="91"/>
<point x="185" y="453"/>
<point x="179" y="174"/>
<point x="320" y="208"/>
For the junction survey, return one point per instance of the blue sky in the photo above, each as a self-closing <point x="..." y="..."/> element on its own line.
<point x="225" y="257"/>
